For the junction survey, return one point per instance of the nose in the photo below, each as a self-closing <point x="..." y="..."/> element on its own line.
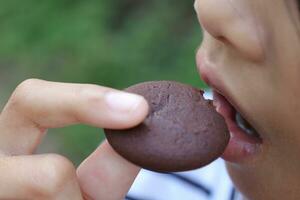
<point x="233" y="23"/>
<point x="211" y="17"/>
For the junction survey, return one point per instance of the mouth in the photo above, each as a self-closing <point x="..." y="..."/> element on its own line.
<point x="245" y="142"/>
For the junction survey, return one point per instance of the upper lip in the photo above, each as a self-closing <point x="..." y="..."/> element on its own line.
<point x="210" y="77"/>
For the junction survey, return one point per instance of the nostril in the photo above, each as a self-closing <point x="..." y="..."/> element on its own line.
<point x="222" y="39"/>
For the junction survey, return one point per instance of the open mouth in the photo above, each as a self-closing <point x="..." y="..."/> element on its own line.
<point x="245" y="141"/>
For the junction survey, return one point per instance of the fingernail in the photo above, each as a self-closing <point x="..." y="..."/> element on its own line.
<point x="122" y="101"/>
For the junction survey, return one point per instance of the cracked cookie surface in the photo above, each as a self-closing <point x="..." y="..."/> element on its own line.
<point x="181" y="132"/>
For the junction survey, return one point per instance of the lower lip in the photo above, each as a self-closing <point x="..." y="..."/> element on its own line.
<point x="241" y="146"/>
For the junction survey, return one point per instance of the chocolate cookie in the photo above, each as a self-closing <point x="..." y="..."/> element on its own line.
<point x="181" y="132"/>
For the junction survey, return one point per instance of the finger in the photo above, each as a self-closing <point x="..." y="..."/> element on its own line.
<point x="38" y="177"/>
<point x="37" y="105"/>
<point x="106" y="175"/>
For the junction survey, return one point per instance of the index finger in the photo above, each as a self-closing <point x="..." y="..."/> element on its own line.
<point x="37" y="105"/>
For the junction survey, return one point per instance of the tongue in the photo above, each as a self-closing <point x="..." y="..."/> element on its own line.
<point x="231" y="116"/>
<point x="245" y="125"/>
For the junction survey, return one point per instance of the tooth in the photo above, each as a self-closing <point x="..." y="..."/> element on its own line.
<point x="217" y="104"/>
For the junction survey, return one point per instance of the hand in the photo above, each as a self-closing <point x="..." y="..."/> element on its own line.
<point x="36" y="106"/>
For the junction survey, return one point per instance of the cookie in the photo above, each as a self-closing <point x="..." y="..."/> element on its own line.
<point x="181" y="132"/>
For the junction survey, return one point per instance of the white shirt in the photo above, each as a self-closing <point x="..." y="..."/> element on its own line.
<point x="208" y="183"/>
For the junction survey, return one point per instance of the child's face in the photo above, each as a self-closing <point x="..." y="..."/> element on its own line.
<point x="251" y="55"/>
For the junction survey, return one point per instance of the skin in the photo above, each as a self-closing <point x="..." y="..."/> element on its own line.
<point x="252" y="47"/>
<point x="36" y="106"/>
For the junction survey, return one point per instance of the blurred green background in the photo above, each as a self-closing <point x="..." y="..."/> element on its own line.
<point x="115" y="43"/>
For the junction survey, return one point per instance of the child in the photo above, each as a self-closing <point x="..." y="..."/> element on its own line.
<point x="249" y="56"/>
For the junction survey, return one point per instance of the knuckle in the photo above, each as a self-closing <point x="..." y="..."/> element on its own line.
<point x="56" y="172"/>
<point x="88" y="95"/>
<point x="22" y="92"/>
<point x="59" y="170"/>
<point x="26" y="85"/>
<point x="91" y="93"/>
